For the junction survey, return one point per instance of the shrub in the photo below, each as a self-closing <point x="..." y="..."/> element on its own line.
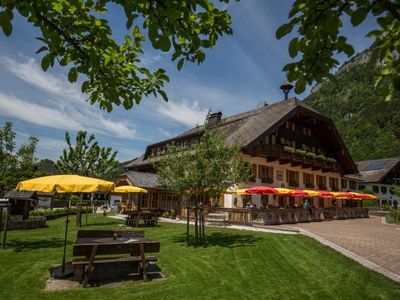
<point x="321" y="157"/>
<point x="330" y="160"/>
<point x="311" y="155"/>
<point x="300" y="152"/>
<point x="288" y="149"/>
<point x="57" y="212"/>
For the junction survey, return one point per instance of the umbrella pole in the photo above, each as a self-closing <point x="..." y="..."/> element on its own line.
<point x="65" y="237"/>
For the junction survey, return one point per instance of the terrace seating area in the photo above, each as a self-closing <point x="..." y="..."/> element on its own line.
<point x="248" y="216"/>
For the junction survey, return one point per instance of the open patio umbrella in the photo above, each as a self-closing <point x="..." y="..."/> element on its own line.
<point x="342" y="195"/>
<point x="311" y="193"/>
<point x="325" y="194"/>
<point x="363" y="196"/>
<point x="128" y="189"/>
<point x="261" y="190"/>
<point x="284" y="192"/>
<point x="295" y="193"/>
<point x="65" y="184"/>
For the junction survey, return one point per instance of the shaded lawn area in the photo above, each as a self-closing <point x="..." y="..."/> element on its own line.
<point x="235" y="265"/>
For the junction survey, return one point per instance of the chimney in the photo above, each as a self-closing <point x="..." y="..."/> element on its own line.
<point x="214" y="119"/>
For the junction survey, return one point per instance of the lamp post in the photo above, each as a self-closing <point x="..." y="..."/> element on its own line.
<point x="286" y="88"/>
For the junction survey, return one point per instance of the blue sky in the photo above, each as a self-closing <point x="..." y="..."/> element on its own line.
<point x="242" y="72"/>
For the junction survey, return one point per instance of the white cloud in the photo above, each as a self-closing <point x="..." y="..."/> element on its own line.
<point x="186" y="113"/>
<point x="63" y="110"/>
<point x="31" y="73"/>
<point x="164" y="132"/>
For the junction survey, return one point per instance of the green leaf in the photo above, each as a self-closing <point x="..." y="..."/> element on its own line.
<point x="41" y="49"/>
<point x="300" y="85"/>
<point x="72" y="74"/>
<point x="164" y="95"/>
<point x="283" y="30"/>
<point x="5" y="23"/>
<point x="348" y="49"/>
<point x="293" y="47"/>
<point x="359" y="15"/>
<point x="45" y="62"/>
<point x="180" y="63"/>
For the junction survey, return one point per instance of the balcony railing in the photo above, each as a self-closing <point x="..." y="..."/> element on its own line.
<point x="277" y="152"/>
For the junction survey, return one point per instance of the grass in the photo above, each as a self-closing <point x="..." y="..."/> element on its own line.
<point x="235" y="265"/>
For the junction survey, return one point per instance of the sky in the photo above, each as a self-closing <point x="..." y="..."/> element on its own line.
<point x="242" y="72"/>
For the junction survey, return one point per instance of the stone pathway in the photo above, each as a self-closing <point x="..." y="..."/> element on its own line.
<point x="371" y="240"/>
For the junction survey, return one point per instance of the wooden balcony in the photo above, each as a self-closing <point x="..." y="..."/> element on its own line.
<point x="276" y="153"/>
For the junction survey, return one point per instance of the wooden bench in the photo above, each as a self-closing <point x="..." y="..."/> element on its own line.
<point x="109" y="233"/>
<point x="87" y="256"/>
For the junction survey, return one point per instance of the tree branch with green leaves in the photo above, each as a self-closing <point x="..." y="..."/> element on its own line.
<point x="318" y="39"/>
<point x="76" y="34"/>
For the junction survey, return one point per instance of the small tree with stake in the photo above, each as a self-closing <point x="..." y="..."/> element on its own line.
<point x="202" y="170"/>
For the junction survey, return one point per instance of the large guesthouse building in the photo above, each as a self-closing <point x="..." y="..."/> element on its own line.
<point x="288" y="144"/>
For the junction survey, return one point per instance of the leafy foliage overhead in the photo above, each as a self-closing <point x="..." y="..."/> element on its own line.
<point x="16" y="165"/>
<point x="369" y="125"/>
<point x="75" y="33"/>
<point x="87" y="158"/>
<point x="318" y="39"/>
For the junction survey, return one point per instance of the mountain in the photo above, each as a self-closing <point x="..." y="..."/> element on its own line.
<point x="119" y="170"/>
<point x="369" y="125"/>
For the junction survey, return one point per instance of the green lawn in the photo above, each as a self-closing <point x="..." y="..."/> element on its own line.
<point x="235" y="265"/>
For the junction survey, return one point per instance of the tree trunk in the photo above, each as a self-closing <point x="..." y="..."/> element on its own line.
<point x="203" y="238"/>
<point x="196" y="223"/>
<point x="187" y="224"/>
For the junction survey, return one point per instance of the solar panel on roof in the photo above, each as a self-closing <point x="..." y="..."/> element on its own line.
<point x="376" y="165"/>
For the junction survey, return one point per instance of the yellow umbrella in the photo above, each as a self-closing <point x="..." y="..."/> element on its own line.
<point x="241" y="192"/>
<point x="311" y="193"/>
<point x="66" y="184"/>
<point x="128" y="189"/>
<point x="284" y="191"/>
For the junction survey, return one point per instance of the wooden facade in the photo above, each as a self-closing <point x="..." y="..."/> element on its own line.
<point x="289" y="145"/>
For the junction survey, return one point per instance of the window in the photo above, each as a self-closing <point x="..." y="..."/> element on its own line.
<point x="361" y="187"/>
<point x="391" y="190"/>
<point x="383" y="189"/>
<point x="266" y="173"/>
<point x="273" y="139"/>
<point x="292" y="178"/>
<point x="144" y="201"/>
<point x="279" y="175"/>
<point x="375" y="188"/>
<point x="282" y="141"/>
<point x="344" y="184"/>
<point x="321" y="182"/>
<point x="308" y="180"/>
<point x="352" y="185"/>
<point x="288" y="125"/>
<point x="334" y="183"/>
<point x="154" y="200"/>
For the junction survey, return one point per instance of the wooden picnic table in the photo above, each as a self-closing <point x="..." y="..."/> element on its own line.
<point x="90" y="251"/>
<point x="150" y="218"/>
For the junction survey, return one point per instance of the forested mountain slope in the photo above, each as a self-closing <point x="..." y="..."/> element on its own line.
<point x="369" y="125"/>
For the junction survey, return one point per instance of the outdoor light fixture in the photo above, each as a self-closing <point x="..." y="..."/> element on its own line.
<point x="286" y="87"/>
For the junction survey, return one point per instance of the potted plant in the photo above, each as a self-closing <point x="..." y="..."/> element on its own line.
<point x="267" y="180"/>
<point x="293" y="183"/>
<point x="288" y="149"/>
<point x="310" y="155"/>
<point x="301" y="152"/>
<point x="321" y="157"/>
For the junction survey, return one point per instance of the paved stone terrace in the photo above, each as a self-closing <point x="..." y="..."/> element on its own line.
<point x="369" y="238"/>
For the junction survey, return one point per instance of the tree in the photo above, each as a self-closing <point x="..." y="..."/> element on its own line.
<point x="74" y="34"/>
<point x="86" y="157"/>
<point x="318" y="39"/>
<point x="16" y="165"/>
<point x="201" y="170"/>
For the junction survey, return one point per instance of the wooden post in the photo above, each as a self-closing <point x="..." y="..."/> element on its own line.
<point x="65" y="237"/>
<point x="1" y="221"/>
<point x="6" y="226"/>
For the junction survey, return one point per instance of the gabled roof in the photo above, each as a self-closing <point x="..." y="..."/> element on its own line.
<point x="246" y="127"/>
<point x="375" y="170"/>
<point x="143" y="179"/>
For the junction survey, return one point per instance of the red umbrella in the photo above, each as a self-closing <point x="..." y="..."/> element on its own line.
<point x="261" y="190"/>
<point x="325" y="194"/>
